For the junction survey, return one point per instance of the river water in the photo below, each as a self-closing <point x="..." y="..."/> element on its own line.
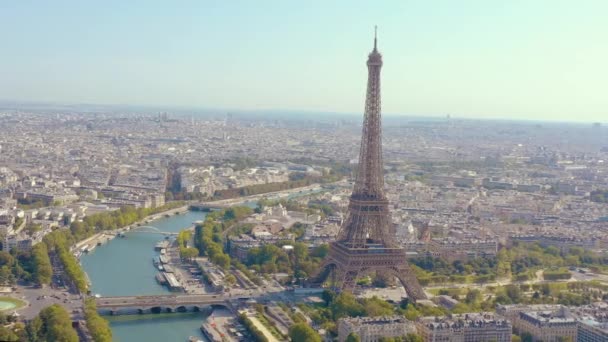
<point x="123" y="267"/>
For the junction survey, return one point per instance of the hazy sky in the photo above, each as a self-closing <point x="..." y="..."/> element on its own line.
<point x="509" y="59"/>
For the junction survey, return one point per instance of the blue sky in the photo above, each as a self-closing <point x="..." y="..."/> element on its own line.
<point x="521" y="59"/>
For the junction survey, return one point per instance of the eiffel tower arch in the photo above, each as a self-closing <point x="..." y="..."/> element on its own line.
<point x="366" y="241"/>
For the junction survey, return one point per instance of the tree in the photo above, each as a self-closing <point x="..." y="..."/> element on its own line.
<point x="377" y="307"/>
<point x="53" y="323"/>
<point x="230" y="279"/>
<point x="473" y="296"/>
<point x="328" y="296"/>
<point x="413" y="338"/>
<point x="346" y="305"/>
<point x="514" y="293"/>
<point x="6" y="258"/>
<point x="222" y="260"/>
<point x="352" y="337"/>
<point x="6" y="334"/>
<point x="302" y="332"/>
<point x="188" y="253"/>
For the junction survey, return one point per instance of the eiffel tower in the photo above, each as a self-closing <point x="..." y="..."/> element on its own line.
<point x="366" y="241"/>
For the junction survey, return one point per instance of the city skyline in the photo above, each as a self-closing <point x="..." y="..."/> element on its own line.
<point x="529" y="61"/>
<point x="199" y="210"/>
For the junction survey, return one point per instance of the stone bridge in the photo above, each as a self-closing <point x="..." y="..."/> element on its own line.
<point x="162" y="303"/>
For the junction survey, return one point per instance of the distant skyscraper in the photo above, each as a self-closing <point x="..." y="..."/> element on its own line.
<point x="366" y="242"/>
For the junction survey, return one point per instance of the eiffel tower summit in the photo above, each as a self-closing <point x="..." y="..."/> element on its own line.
<point x="366" y="242"/>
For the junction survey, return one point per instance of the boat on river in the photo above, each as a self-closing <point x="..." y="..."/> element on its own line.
<point x="160" y="278"/>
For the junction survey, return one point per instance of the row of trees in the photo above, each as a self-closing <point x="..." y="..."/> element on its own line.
<point x="115" y="219"/>
<point x="98" y="327"/>
<point x="59" y="242"/>
<point x="42" y="268"/>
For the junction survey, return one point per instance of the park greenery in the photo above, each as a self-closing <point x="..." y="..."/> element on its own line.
<point x="518" y="263"/>
<point x="256" y="334"/>
<point x="10" y="329"/>
<point x="32" y="266"/>
<point x="53" y="323"/>
<point x="297" y="262"/>
<point x="302" y="332"/>
<point x="209" y="236"/>
<point x="97" y="326"/>
<point x="270" y="325"/>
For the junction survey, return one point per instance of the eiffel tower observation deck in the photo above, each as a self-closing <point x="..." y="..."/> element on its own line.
<point x="366" y="242"/>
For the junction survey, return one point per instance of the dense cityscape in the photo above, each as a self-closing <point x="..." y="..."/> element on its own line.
<point x="158" y="223"/>
<point x="503" y="223"/>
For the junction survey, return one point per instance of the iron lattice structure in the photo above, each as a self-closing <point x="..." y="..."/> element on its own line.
<point x="366" y="242"/>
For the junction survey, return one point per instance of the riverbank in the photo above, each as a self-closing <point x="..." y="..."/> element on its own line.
<point x="105" y="236"/>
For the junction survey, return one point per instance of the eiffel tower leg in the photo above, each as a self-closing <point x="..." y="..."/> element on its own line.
<point x="407" y="278"/>
<point x="327" y="268"/>
<point x="347" y="279"/>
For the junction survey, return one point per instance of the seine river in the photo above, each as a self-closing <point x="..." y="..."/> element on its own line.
<point x="123" y="267"/>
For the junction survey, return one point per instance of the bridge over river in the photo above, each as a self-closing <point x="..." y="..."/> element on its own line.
<point x="151" y="230"/>
<point x="125" y="305"/>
